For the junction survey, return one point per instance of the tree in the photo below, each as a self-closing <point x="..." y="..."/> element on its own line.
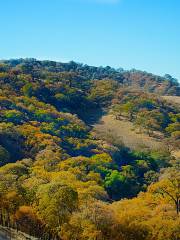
<point x="27" y="221"/>
<point x="56" y="203"/>
<point x="169" y="188"/>
<point x="48" y="157"/>
<point x="126" y="110"/>
<point x="14" y="116"/>
<point x="28" y="90"/>
<point x="173" y="127"/>
<point x="115" y="185"/>
<point x="93" y="221"/>
<point x="4" y="156"/>
<point x="150" y="120"/>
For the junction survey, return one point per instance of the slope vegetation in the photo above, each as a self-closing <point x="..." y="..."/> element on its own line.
<point x="125" y="130"/>
<point x="69" y="170"/>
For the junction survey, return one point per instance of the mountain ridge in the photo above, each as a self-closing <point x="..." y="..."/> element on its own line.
<point x="166" y="85"/>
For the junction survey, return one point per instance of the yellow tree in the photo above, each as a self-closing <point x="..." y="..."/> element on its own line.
<point x="169" y="188"/>
<point x="56" y="203"/>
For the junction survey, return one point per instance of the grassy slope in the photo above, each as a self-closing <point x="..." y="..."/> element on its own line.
<point x="173" y="99"/>
<point x="124" y="130"/>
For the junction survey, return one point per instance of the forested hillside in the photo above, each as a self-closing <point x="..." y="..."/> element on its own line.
<point x="62" y="179"/>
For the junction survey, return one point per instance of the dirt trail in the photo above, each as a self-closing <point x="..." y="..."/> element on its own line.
<point x="124" y="130"/>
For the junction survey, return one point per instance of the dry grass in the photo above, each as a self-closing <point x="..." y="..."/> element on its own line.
<point x="173" y="99"/>
<point x="176" y="154"/>
<point x="124" y="130"/>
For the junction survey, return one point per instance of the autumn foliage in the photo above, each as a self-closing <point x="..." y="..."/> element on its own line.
<point x="58" y="180"/>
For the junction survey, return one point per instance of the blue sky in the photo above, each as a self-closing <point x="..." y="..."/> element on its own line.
<point x="141" y="34"/>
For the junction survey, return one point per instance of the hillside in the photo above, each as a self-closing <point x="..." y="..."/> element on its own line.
<point x="174" y="99"/>
<point x="50" y="70"/>
<point x="125" y="130"/>
<point x="88" y="152"/>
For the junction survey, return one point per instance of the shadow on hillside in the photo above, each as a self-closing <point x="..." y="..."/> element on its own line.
<point x="93" y="116"/>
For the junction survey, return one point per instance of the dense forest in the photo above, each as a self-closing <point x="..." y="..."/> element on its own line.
<point x="60" y="179"/>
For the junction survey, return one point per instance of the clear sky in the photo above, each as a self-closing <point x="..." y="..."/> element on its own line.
<point x="141" y="34"/>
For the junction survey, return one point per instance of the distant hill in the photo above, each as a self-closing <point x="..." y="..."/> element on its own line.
<point x="166" y="85"/>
